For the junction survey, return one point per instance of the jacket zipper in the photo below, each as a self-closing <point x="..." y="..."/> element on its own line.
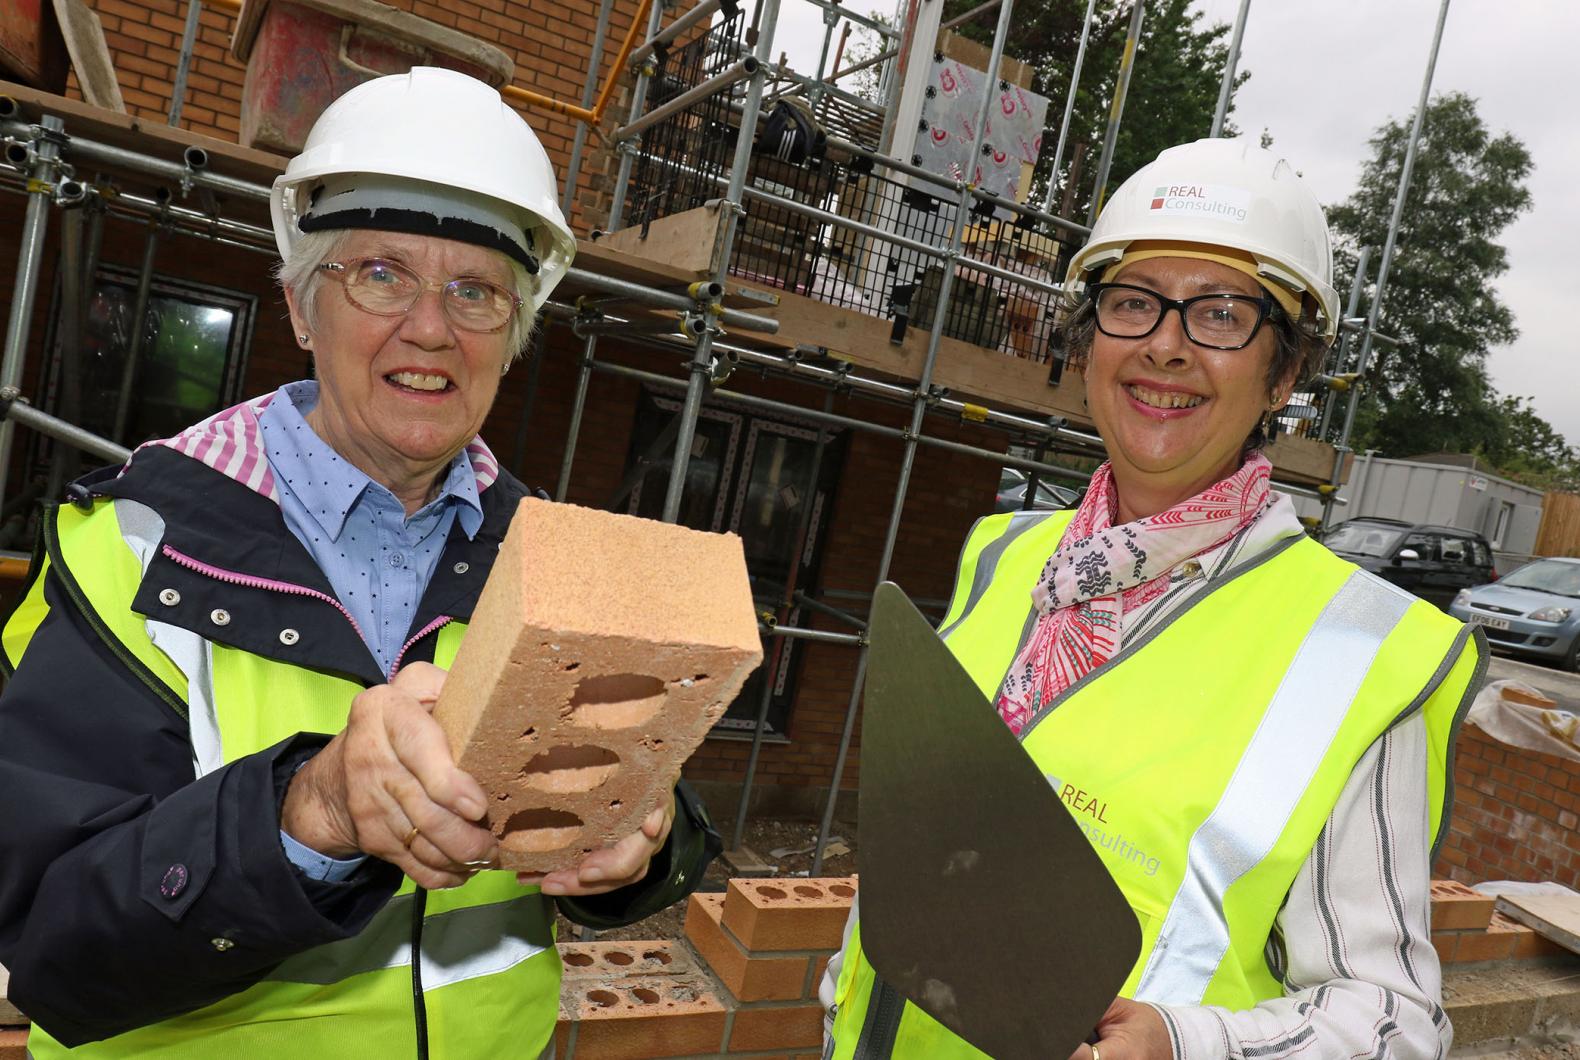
<point x="438" y="623"/>
<point x="419" y="1002"/>
<point x="231" y="577"/>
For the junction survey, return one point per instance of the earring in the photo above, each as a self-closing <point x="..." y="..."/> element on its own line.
<point x="302" y="338"/>
<point x="504" y="369"/>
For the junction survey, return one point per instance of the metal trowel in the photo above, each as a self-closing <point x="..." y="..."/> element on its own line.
<point x="981" y="900"/>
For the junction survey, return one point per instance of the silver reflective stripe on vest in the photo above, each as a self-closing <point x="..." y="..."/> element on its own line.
<point x="987" y="562"/>
<point x="457" y="945"/>
<point x="143" y="530"/>
<point x="1278" y="764"/>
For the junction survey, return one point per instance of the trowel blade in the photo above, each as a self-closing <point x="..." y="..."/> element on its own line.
<point x="981" y="900"/>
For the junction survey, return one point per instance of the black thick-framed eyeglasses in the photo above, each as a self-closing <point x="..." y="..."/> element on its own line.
<point x="1216" y="321"/>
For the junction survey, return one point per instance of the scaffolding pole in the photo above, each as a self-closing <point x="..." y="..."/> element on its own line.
<point x="1116" y="111"/>
<point x="701" y="362"/>
<point x="1342" y="446"/>
<point x="45" y="153"/>
<point x="918" y="412"/>
<point x="645" y="72"/>
<point x="589" y="94"/>
<point x="781" y="648"/>
<point x="1393" y="226"/>
<point x="1231" y="63"/>
<point x="1069" y="107"/>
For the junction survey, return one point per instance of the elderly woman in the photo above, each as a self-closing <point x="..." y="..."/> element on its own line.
<point x="1265" y="726"/>
<point x="226" y="800"/>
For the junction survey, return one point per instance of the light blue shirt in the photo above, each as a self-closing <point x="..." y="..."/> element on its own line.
<point x="377" y="560"/>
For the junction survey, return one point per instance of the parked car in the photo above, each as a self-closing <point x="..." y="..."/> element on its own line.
<point x="1534" y="611"/>
<point x="1012" y="484"/>
<point x="1433" y="562"/>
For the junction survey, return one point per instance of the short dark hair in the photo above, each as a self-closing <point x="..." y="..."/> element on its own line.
<point x="1299" y="349"/>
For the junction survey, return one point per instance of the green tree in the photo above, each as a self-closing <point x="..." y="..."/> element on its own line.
<point x="1173" y="91"/>
<point x="1431" y="393"/>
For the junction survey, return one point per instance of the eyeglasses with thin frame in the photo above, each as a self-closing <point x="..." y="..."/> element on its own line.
<point x="388" y="289"/>
<point x="1216" y="321"/>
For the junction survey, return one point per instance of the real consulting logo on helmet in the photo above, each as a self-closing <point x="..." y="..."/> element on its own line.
<point x="1219" y="200"/>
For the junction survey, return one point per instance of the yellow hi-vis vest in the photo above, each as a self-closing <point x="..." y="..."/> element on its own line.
<point x="490" y="971"/>
<point x="1203" y="760"/>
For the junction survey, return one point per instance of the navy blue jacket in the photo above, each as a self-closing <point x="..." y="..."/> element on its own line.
<point x="103" y="816"/>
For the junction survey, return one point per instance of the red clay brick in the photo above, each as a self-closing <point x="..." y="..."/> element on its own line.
<point x="587" y="679"/>
<point x="747" y="977"/>
<point x="1457" y="907"/>
<point x="1445" y="943"/>
<point x="604" y="961"/>
<point x="13" y="1043"/>
<point x="789" y="914"/>
<point x="1484" y="946"/>
<point x="644" y="1017"/>
<point x="799" y="1026"/>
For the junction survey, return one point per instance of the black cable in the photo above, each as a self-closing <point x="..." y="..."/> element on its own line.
<point x="419" y="1006"/>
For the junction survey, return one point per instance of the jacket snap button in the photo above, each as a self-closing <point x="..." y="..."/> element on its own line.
<point x="219" y="616"/>
<point x="169" y="597"/>
<point x="289" y="637"/>
<point x="222" y="944"/>
<point x="462" y="567"/>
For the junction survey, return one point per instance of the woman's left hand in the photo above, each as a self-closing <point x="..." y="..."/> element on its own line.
<point x="1129" y="1030"/>
<point x="615" y="866"/>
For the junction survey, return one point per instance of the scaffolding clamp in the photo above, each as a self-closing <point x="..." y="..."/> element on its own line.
<point x="1340" y="381"/>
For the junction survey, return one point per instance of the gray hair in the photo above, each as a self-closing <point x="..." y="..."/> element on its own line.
<point x="300" y="274"/>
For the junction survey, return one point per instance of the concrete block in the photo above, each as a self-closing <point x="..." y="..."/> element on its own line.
<point x="789" y="914"/>
<point x="603" y="649"/>
<point x="1458" y="908"/>
<point x="643" y="1017"/>
<point x="746" y="977"/>
<point x="779" y="1027"/>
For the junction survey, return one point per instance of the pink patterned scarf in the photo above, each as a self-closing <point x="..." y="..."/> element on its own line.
<point x="1100" y="571"/>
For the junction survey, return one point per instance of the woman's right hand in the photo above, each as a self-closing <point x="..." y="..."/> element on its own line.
<point x="389" y="771"/>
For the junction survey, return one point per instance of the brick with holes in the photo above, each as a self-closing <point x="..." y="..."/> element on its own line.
<point x="603" y="649"/>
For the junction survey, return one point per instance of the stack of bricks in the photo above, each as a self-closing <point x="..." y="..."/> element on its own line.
<point x="1516" y="815"/>
<point x="749" y="991"/>
<point x="1467" y="930"/>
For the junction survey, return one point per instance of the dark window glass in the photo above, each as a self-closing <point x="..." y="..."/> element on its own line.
<point x="189" y="358"/>
<point x="1424" y="544"/>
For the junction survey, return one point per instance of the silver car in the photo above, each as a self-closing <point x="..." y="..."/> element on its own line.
<point x="1534" y="611"/>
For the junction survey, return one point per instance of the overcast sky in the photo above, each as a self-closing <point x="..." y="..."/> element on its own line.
<point x="1325" y="75"/>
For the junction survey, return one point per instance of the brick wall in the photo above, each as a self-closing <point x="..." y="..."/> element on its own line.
<point x="549" y="40"/>
<point x="1515" y="815"/>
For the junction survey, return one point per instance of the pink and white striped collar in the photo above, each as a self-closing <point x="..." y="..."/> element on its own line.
<point x="231" y="443"/>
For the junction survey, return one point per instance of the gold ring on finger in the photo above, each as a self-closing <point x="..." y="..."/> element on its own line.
<point x="411" y="837"/>
<point x="1094" y="1052"/>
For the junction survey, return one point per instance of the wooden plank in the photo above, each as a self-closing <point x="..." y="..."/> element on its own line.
<point x="90" y="56"/>
<point x="1553" y="916"/>
<point x="154" y="139"/>
<point x="683" y="241"/>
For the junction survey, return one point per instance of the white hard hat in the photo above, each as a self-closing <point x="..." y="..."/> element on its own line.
<point x="1222" y="193"/>
<point x="445" y="138"/>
